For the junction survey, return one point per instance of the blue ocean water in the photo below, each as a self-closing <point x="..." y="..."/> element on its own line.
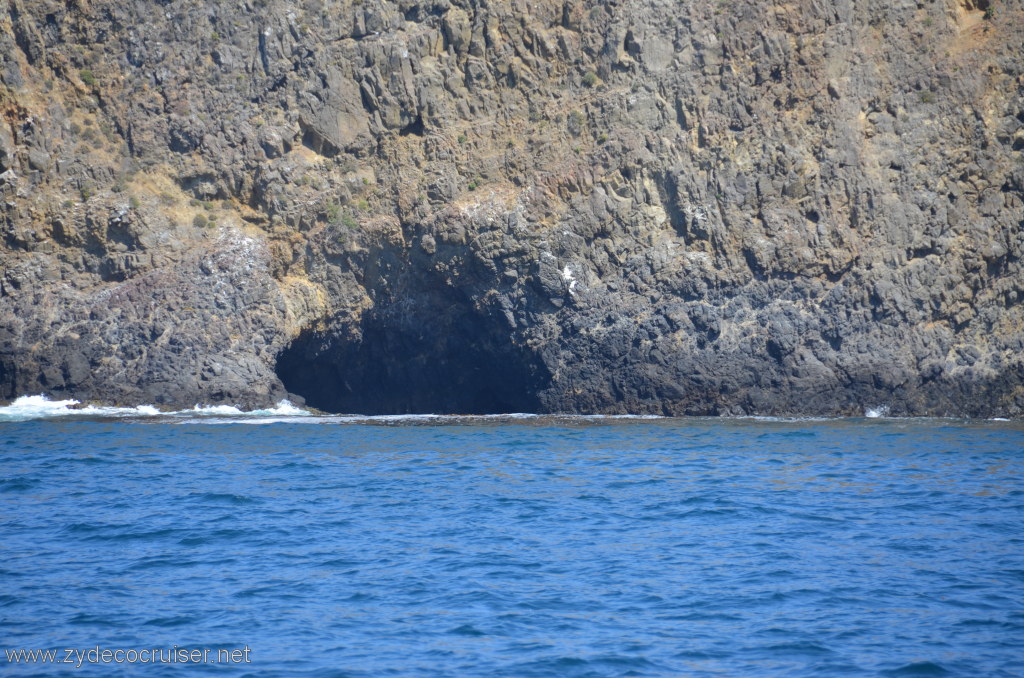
<point x="517" y="547"/>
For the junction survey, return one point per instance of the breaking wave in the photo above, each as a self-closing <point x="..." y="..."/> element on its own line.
<point x="27" y="408"/>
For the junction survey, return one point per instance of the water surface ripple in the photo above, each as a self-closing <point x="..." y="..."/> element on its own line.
<point x="540" y="548"/>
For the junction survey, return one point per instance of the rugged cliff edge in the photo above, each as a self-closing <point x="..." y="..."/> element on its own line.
<point x="469" y="206"/>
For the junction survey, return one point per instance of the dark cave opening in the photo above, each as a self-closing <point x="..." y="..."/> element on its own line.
<point x="415" y="127"/>
<point x="421" y="357"/>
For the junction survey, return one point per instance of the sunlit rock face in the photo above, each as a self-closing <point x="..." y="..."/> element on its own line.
<point x="643" y="206"/>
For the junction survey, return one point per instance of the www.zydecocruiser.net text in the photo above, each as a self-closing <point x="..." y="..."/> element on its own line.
<point x="79" y="657"/>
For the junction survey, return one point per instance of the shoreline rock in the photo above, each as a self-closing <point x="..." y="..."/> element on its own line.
<point x="552" y="206"/>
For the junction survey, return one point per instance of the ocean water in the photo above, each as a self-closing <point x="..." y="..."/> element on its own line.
<point x="512" y="546"/>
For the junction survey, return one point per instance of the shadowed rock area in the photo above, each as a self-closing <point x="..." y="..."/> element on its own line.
<point x="556" y="206"/>
<point x="425" y="352"/>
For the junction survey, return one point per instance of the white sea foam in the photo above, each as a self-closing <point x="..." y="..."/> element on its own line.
<point x="27" y="408"/>
<point x="35" y="407"/>
<point x="284" y="408"/>
<point x="877" y="412"/>
<point x="212" y="410"/>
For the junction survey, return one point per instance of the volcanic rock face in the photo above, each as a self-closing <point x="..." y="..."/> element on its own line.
<point x="466" y="206"/>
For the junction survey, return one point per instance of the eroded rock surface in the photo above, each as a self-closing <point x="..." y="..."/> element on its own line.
<point x="633" y="206"/>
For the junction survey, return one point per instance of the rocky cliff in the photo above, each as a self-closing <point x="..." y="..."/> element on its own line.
<point x="673" y="207"/>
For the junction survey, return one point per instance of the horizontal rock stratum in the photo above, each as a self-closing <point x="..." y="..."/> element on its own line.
<point x="646" y="206"/>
